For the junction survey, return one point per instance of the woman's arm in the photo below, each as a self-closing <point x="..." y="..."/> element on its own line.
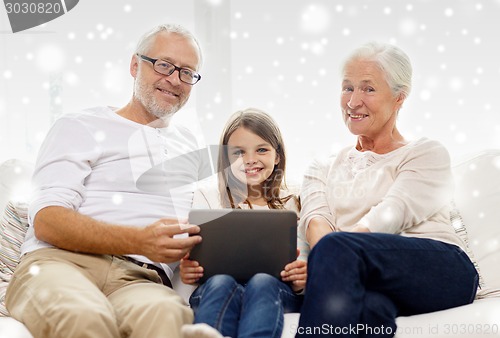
<point x="317" y="228"/>
<point x="316" y="217"/>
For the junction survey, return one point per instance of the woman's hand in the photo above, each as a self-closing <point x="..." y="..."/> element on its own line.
<point x="191" y="271"/>
<point x="295" y="273"/>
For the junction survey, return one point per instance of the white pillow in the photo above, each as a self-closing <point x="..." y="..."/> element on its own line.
<point x="15" y="178"/>
<point x="477" y="196"/>
<point x="461" y="230"/>
<point x="13" y="227"/>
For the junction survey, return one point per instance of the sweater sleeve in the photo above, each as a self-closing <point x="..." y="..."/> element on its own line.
<point x="313" y="195"/>
<point x="423" y="185"/>
<point x="206" y="195"/>
<point x="302" y="245"/>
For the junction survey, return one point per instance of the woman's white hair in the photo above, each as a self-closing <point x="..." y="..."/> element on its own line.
<point x="147" y="39"/>
<point x="391" y="60"/>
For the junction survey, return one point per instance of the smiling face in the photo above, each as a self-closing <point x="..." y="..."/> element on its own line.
<point x="369" y="107"/>
<point x="252" y="158"/>
<point x="159" y="95"/>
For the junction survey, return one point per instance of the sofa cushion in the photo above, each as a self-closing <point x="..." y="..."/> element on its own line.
<point x="460" y="228"/>
<point x="479" y="319"/>
<point x="11" y="328"/>
<point x="13" y="227"/>
<point x="477" y="196"/>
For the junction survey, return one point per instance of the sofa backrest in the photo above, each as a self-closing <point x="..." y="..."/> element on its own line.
<point x="477" y="196"/>
<point x="15" y="177"/>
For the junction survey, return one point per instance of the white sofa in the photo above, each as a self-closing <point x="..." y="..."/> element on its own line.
<point x="478" y="200"/>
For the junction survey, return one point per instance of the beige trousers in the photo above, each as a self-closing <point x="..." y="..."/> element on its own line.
<point x="58" y="293"/>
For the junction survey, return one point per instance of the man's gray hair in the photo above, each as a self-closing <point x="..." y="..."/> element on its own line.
<point x="393" y="62"/>
<point x="147" y="39"/>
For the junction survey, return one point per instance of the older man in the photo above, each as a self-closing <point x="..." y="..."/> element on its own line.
<point x="111" y="187"/>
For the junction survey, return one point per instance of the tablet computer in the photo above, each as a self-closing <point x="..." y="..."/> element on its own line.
<point x="242" y="243"/>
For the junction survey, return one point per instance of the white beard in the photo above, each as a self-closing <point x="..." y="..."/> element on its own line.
<point x="145" y="95"/>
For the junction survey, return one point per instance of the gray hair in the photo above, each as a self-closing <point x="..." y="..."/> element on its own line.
<point x="147" y="39"/>
<point x="393" y="62"/>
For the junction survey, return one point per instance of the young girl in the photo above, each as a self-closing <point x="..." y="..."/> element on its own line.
<point x="251" y="176"/>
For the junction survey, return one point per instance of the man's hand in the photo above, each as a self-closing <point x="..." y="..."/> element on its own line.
<point x="191" y="271"/>
<point x="158" y="242"/>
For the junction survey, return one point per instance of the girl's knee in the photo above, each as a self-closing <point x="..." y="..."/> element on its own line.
<point x="221" y="281"/>
<point x="262" y="280"/>
<point x="263" y="284"/>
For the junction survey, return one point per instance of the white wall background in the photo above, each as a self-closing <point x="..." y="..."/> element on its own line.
<point x="282" y="56"/>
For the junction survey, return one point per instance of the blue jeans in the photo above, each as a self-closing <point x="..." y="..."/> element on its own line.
<point x="252" y="310"/>
<point x="365" y="280"/>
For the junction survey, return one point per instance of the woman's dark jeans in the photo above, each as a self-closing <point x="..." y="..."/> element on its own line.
<point x="358" y="283"/>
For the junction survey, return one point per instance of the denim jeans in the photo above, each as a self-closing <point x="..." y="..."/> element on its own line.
<point x="358" y="283"/>
<point x="255" y="309"/>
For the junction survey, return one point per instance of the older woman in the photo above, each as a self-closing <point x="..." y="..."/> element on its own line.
<point x="377" y="214"/>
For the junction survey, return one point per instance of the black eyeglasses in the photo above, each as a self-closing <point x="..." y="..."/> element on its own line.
<point x="163" y="67"/>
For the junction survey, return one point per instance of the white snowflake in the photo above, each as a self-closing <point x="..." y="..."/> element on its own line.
<point x="315" y="19"/>
<point x="114" y="78"/>
<point x="460" y="138"/>
<point x="448" y="12"/>
<point x="34" y="270"/>
<point x="99" y="136"/>
<point x="71" y="78"/>
<point x="425" y="95"/>
<point x="496" y="161"/>
<point x="408" y="27"/>
<point x="117" y="199"/>
<point x="7" y="74"/>
<point x="50" y="58"/>
<point x="456" y="84"/>
<point x="214" y="2"/>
